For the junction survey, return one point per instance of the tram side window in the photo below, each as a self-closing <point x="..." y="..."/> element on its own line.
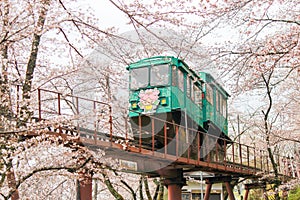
<point x="224" y="107"/>
<point x="217" y="101"/>
<point x="209" y="94"/>
<point x="180" y="80"/>
<point x="221" y="103"/>
<point x="188" y="86"/>
<point x="174" y="76"/>
<point x="198" y="95"/>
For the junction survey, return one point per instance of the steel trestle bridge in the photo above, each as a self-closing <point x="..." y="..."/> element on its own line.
<point x="92" y="122"/>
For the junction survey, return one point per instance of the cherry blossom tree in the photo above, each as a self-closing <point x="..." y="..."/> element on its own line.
<point x="45" y="44"/>
<point x="260" y="58"/>
<point x="33" y="36"/>
<point x="264" y="62"/>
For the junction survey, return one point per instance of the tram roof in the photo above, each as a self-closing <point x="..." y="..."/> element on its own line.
<point x="201" y="76"/>
<point x="163" y="60"/>
<point x="208" y="78"/>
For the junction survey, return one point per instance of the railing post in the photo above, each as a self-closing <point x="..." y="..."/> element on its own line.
<point x="261" y="161"/>
<point x="40" y="104"/>
<point x="225" y="151"/>
<point x="140" y="133"/>
<point x="248" y="156"/>
<point x="126" y="129"/>
<point x="95" y="122"/>
<point x="241" y="155"/>
<point x="18" y="97"/>
<point x="233" y="156"/>
<point x="207" y="142"/>
<point x="217" y="150"/>
<point x="254" y="156"/>
<point x="177" y="140"/>
<point x="199" y="146"/>
<point x="77" y="113"/>
<point x="77" y="106"/>
<point x="59" y="109"/>
<point x="110" y="123"/>
<point x="58" y="104"/>
<point x="153" y="129"/>
<point x="189" y="152"/>
<point x="189" y="145"/>
<point x="165" y="138"/>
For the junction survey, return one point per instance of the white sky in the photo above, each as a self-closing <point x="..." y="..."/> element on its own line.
<point x="109" y="15"/>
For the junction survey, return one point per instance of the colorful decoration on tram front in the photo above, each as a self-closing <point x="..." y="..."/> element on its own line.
<point x="149" y="100"/>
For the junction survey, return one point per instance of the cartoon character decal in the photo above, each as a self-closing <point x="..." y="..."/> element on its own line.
<point x="149" y="100"/>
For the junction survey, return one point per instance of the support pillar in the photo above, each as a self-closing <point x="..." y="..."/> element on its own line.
<point x="174" y="181"/>
<point x="218" y="179"/>
<point x="250" y="186"/>
<point x="229" y="190"/>
<point x="246" y="194"/>
<point x="174" y="192"/>
<point x="207" y="191"/>
<point x="85" y="187"/>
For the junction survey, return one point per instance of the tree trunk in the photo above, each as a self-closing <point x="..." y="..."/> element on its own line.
<point x="95" y="189"/>
<point x="160" y="195"/>
<point x="111" y="187"/>
<point x="11" y="179"/>
<point x="141" y="188"/>
<point x="31" y="65"/>
<point x="5" y="107"/>
<point x="159" y="191"/>
<point x="147" y="188"/>
<point x="130" y="189"/>
<point x="268" y="132"/>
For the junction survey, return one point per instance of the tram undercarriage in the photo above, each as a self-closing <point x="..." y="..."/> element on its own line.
<point x="175" y="133"/>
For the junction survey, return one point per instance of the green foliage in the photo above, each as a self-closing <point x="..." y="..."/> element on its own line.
<point x="294" y="194"/>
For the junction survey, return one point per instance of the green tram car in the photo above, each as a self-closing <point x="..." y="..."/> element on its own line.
<point x="165" y="88"/>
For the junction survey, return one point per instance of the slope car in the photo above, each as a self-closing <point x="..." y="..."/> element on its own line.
<point x="164" y="89"/>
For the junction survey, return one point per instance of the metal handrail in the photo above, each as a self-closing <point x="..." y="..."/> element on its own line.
<point x="233" y="154"/>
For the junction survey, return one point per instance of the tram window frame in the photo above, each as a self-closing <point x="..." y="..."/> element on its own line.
<point x="181" y="80"/>
<point x="209" y="94"/>
<point x="221" y="103"/>
<point x="198" y="95"/>
<point x="188" y="86"/>
<point x="161" y="76"/>
<point x="192" y="90"/>
<point x="224" y="107"/>
<point x="174" y="76"/>
<point x="217" y="101"/>
<point x="145" y="78"/>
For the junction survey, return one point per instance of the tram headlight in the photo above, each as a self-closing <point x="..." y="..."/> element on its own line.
<point x="134" y="105"/>
<point x="163" y="101"/>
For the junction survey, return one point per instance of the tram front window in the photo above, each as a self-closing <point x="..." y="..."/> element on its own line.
<point x="159" y="75"/>
<point x="139" y="78"/>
